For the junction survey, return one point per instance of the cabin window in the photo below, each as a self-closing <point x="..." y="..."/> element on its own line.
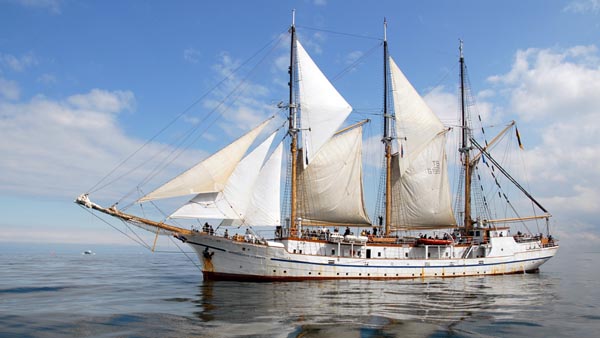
<point x="429" y="254"/>
<point x="300" y="251"/>
<point x="333" y="252"/>
<point x="477" y="233"/>
<point x="294" y="250"/>
<point x="379" y="254"/>
<point x="406" y="254"/>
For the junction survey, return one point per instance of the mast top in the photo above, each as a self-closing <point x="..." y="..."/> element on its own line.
<point x="384" y="29"/>
<point x="293" y="17"/>
<point x="460" y="47"/>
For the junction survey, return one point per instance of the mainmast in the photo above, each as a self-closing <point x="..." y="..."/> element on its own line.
<point x="292" y="130"/>
<point x="387" y="139"/>
<point x="465" y="148"/>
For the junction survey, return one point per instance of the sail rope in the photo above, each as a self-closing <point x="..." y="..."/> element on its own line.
<point x="185" y="254"/>
<point x="341" y="33"/>
<point x="140" y="242"/>
<point x="99" y="185"/>
<point x="356" y="62"/>
<point x="181" y="147"/>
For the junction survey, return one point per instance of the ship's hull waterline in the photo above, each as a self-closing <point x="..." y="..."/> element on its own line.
<point x="225" y="259"/>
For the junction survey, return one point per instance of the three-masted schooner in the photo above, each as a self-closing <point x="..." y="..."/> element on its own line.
<point x="326" y="194"/>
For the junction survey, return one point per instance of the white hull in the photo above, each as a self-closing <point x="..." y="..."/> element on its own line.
<point x="282" y="259"/>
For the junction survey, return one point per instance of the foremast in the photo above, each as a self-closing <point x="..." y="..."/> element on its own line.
<point x="387" y="139"/>
<point x="293" y="131"/>
<point x="465" y="147"/>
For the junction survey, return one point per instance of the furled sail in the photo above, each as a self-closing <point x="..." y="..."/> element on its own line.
<point x="330" y="187"/>
<point x="210" y="175"/>
<point x="233" y="200"/>
<point x="322" y="108"/>
<point x="420" y="188"/>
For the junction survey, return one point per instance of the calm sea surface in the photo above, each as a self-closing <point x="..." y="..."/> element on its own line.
<point x="130" y="294"/>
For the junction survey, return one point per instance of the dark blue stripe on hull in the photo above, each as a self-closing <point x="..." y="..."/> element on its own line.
<point x="407" y="266"/>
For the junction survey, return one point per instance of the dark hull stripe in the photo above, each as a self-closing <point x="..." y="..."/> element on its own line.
<point x="407" y="266"/>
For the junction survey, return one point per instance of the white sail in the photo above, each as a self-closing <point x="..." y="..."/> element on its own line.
<point x="232" y="201"/>
<point x="322" y="108"/>
<point x="330" y="187"/>
<point x="420" y="187"/>
<point x="264" y="207"/>
<point x="209" y="175"/>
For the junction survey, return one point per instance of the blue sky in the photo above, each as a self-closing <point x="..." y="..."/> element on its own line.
<point x="84" y="83"/>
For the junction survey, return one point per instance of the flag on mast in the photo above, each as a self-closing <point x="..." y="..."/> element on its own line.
<point x="519" y="138"/>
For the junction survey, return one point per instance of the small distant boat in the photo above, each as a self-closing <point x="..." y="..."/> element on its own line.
<point x="88" y="252"/>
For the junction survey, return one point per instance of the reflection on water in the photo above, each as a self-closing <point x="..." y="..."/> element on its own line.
<point x="112" y="295"/>
<point x="372" y="308"/>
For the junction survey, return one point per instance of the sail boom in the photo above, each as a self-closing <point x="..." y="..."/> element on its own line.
<point x="516" y="219"/>
<point x="309" y="222"/>
<point x="414" y="227"/>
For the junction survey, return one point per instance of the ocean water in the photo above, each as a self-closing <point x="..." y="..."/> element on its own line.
<point x="140" y="294"/>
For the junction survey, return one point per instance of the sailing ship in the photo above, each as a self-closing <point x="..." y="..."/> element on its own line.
<point x="324" y="193"/>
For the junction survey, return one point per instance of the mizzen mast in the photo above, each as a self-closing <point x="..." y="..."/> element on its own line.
<point x="293" y="130"/>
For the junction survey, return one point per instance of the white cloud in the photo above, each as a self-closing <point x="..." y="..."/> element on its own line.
<point x="47" y="79"/>
<point x="53" y="6"/>
<point x="61" y="148"/>
<point x="103" y="101"/>
<point x="240" y="102"/>
<point x="556" y="92"/>
<point x="583" y="6"/>
<point x="444" y="104"/>
<point x="18" y="64"/>
<point x="354" y="56"/>
<point x="320" y="2"/>
<point x="9" y="89"/>
<point x="545" y="83"/>
<point x="191" y="55"/>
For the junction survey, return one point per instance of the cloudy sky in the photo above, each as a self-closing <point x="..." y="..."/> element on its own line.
<point x="84" y="85"/>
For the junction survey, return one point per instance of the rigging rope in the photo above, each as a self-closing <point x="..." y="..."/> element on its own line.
<point x="340" y="33"/>
<point x="98" y="185"/>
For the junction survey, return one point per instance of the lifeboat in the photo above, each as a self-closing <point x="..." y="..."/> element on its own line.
<point x="433" y="241"/>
